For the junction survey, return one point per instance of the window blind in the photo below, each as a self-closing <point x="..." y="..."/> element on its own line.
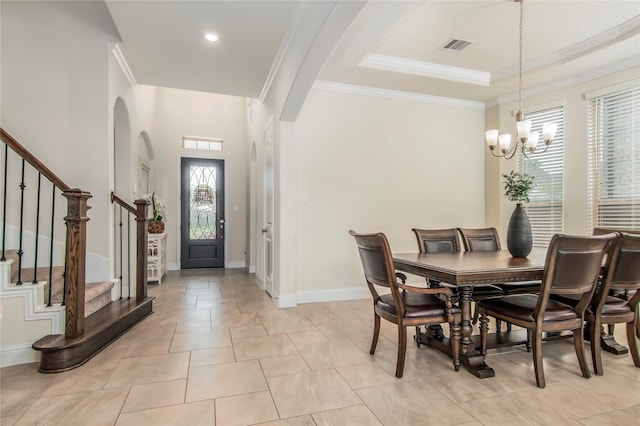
<point x="614" y="160"/>
<point x="545" y="206"/>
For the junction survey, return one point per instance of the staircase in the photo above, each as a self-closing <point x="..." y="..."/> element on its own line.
<point x="47" y="310"/>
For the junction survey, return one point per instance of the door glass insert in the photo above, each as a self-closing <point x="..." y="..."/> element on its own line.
<point x="202" y="210"/>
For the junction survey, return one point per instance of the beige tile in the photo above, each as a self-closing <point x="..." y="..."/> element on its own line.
<point x="308" y="337"/>
<point x="244" y="332"/>
<point x="149" y="369"/>
<point x="191" y="326"/>
<point x="293" y="421"/>
<point x="92" y="408"/>
<point x="194" y="414"/>
<point x="155" y="395"/>
<point x="83" y="379"/>
<point x="279" y="366"/>
<point x="333" y="354"/>
<point x="323" y="318"/>
<point x="305" y="393"/>
<point x="232" y="410"/>
<point x="411" y="403"/>
<point x="358" y="415"/>
<point x="263" y="347"/>
<point x="200" y="340"/>
<point x="9" y="420"/>
<point x="366" y="375"/>
<point x="285" y="324"/>
<point x="144" y="333"/>
<point x="217" y="381"/>
<point x="511" y="409"/>
<point x="212" y="357"/>
<point x="345" y="330"/>
<point x="235" y="320"/>
<point x="157" y="347"/>
<point x="626" y="417"/>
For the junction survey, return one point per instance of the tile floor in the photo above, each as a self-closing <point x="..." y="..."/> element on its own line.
<point x="218" y="352"/>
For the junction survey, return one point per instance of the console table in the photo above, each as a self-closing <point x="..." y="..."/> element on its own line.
<point x="156" y="257"/>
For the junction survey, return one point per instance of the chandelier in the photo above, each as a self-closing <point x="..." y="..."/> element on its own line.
<point x="526" y="140"/>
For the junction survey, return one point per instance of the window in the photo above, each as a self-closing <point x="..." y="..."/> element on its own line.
<point x="204" y="144"/>
<point x="614" y="158"/>
<point x="545" y="208"/>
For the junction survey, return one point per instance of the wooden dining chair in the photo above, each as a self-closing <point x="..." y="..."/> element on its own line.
<point x="487" y="239"/>
<point x="572" y="267"/>
<point x="600" y="231"/>
<point x="405" y="305"/>
<point x="622" y="275"/>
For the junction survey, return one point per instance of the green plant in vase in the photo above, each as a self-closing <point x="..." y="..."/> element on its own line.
<point x="158" y="216"/>
<point x="516" y="188"/>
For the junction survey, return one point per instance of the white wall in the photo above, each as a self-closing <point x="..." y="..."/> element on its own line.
<point x="54" y="79"/>
<point x="374" y="164"/>
<point x="575" y="151"/>
<point x="186" y="113"/>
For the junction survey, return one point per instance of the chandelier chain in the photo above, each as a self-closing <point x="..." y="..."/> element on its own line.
<point x="520" y="57"/>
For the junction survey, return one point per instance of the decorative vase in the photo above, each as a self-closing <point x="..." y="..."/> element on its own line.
<point x="519" y="240"/>
<point x="156" y="227"/>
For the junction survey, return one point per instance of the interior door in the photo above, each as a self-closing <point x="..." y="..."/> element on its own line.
<point x="202" y="207"/>
<point x="268" y="210"/>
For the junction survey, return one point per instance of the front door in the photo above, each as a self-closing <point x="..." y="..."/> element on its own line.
<point x="202" y="209"/>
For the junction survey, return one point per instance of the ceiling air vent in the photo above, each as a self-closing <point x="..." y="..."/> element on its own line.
<point x="456" y="44"/>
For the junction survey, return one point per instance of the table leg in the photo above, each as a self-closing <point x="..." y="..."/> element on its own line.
<point x="471" y="358"/>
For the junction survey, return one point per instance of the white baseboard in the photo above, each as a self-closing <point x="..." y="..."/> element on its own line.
<point x="252" y="269"/>
<point x="173" y="267"/>
<point x="234" y="264"/>
<point x="334" y="295"/>
<point x="289" y="301"/>
<point x="19" y="354"/>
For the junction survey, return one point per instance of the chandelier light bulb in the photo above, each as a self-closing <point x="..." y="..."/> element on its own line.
<point x="504" y="141"/>
<point x="491" y="137"/>
<point x="532" y="141"/>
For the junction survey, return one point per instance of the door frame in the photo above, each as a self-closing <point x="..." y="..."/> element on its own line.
<point x="269" y="286"/>
<point x="178" y="206"/>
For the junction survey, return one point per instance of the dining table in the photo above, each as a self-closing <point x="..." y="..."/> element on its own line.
<point x="465" y="270"/>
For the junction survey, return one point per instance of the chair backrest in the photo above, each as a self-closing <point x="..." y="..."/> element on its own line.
<point x="572" y="266"/>
<point x="622" y="271"/>
<point x="437" y="240"/>
<point x="376" y="258"/>
<point x="481" y="239"/>
<point x="602" y="231"/>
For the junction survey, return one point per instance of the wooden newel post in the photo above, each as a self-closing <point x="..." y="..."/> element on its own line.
<point x="76" y="256"/>
<point x="141" y="249"/>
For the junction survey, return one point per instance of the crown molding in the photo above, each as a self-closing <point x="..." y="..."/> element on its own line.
<point x="621" y="32"/>
<point x="393" y="94"/>
<point x="568" y="82"/>
<point x="425" y="69"/>
<point x="122" y="61"/>
<point x="300" y="12"/>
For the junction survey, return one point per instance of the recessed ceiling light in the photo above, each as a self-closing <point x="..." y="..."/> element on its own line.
<point x="211" y="36"/>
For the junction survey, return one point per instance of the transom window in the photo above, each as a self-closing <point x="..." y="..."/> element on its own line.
<point x="203" y="144"/>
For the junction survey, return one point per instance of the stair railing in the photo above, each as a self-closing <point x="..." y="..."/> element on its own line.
<point x="139" y="212"/>
<point x="76" y="235"/>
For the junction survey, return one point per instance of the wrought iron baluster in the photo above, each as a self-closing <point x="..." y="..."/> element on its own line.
<point x="4" y="201"/>
<point x="53" y="213"/>
<point x="121" y="253"/>
<point x="64" y="274"/>
<point x="20" y="252"/>
<point x="35" y="260"/>
<point x="129" y="254"/>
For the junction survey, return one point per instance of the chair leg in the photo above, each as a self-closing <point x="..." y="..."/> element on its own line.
<point x="484" y="327"/>
<point x="529" y="338"/>
<point x="596" y="348"/>
<point x="638" y="324"/>
<point x="455" y="344"/>
<point x="633" y="344"/>
<point x="376" y="333"/>
<point x="402" y="349"/>
<point x="578" y="342"/>
<point x="498" y="325"/>
<point x="537" y="358"/>
<point x="417" y="338"/>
